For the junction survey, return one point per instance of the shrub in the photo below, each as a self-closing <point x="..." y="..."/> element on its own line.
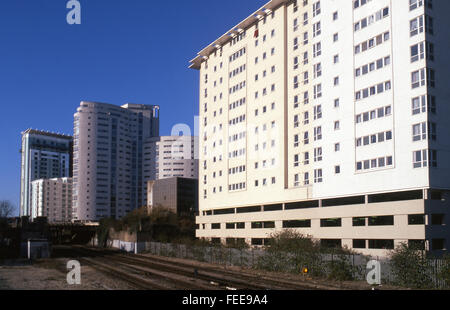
<point x="444" y="274"/>
<point x="341" y="269"/>
<point x="409" y="267"/>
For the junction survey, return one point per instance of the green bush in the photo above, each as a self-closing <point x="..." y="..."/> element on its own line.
<point x="341" y="268"/>
<point x="445" y="271"/>
<point x="410" y="268"/>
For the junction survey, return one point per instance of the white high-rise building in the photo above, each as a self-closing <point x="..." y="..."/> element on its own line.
<point x="44" y="155"/>
<point x="108" y="167"/>
<point x="52" y="198"/>
<point x="171" y="156"/>
<point x="328" y="117"/>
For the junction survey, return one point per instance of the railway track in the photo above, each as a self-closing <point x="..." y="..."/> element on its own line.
<point x="284" y="284"/>
<point x="190" y="276"/>
<point x="133" y="280"/>
<point x="176" y="278"/>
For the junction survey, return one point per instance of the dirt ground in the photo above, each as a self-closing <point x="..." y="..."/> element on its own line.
<point x="51" y="275"/>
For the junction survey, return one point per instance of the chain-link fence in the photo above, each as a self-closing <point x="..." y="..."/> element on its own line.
<point x="335" y="266"/>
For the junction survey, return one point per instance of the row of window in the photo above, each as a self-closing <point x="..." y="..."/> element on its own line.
<point x="264" y="182"/>
<point x="388" y="220"/>
<point x="373" y="139"/>
<point x="373" y="90"/>
<point x="422" y="49"/>
<point x="236" y="170"/>
<point x="423" y="104"/>
<point x="381" y="162"/>
<point x="421" y="77"/>
<point x="235" y="187"/>
<point x="237" y="87"/>
<point x="425" y="158"/>
<point x="238" y="70"/>
<point x="237" y="137"/>
<point x="414" y="4"/>
<point x="371" y="43"/>
<point x="374" y="114"/>
<point x="367" y="21"/>
<point x="376" y="65"/>
<point x="264" y="91"/>
<point x="360" y="3"/>
<point x="421" y="24"/>
<point x="423" y="131"/>
<point x="237" y="103"/>
<point x="237" y="153"/>
<point x="238" y="54"/>
<point x="237" y="120"/>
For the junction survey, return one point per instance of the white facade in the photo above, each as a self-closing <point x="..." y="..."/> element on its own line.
<point x="322" y="113"/>
<point x="108" y="164"/>
<point x="52" y="198"/>
<point x="44" y="155"/>
<point x="170" y="156"/>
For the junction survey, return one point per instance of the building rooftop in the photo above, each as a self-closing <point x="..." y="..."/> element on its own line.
<point x="239" y="28"/>
<point x="47" y="134"/>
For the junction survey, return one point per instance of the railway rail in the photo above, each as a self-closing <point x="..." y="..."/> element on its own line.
<point x="158" y="273"/>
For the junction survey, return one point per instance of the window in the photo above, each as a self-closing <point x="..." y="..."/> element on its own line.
<point x="318" y="176"/>
<point x="317" y="70"/>
<point x="381" y="221"/>
<point x="336" y="222"/>
<point x="336" y="59"/>
<point x="359" y="244"/>
<point x="297" y="224"/>
<point x="317" y="133"/>
<point x="381" y="244"/>
<point x="335" y="16"/>
<point x="335" y="37"/>
<point x="416" y="219"/>
<point x="317" y="154"/>
<point x="336" y="103"/>
<point x="337" y="169"/>
<point x="316" y="8"/>
<point x="337" y="125"/>
<point x="317" y="112"/>
<point x="317" y="91"/>
<point x="418" y="78"/>
<point x="337" y="147"/>
<point x="359" y="221"/>
<point x="336" y="81"/>
<point x="317" y="49"/>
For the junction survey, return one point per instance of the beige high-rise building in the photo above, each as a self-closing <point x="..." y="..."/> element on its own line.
<point x="328" y="117"/>
<point x="52" y="198"/>
<point x="171" y="156"/>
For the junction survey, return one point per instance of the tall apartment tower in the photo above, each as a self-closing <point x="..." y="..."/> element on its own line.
<point x="44" y="155"/>
<point x="109" y="158"/>
<point x="328" y="117"/>
<point x="171" y="156"/>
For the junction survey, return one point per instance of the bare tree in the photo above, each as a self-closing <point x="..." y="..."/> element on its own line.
<point x="6" y="209"/>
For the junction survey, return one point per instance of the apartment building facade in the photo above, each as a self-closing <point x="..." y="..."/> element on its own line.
<point x="328" y="117"/>
<point x="44" y="155"/>
<point x="108" y="165"/>
<point x="52" y="198"/>
<point x="171" y="156"/>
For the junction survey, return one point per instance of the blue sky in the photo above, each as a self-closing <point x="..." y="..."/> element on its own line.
<point x="124" y="51"/>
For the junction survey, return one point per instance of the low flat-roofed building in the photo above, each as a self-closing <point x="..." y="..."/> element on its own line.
<point x="177" y="194"/>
